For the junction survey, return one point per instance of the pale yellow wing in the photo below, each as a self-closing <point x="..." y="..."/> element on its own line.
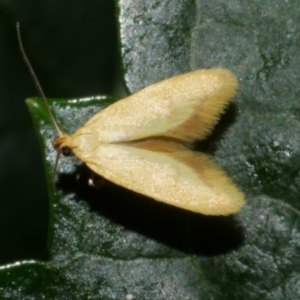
<point x="184" y="107"/>
<point x="185" y="179"/>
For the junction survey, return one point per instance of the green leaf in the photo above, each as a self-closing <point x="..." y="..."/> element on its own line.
<point x="75" y="56"/>
<point x="111" y="243"/>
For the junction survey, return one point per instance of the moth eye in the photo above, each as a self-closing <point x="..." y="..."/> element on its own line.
<point x="66" y="151"/>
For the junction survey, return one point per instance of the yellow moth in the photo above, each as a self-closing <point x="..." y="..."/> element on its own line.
<point x="142" y="142"/>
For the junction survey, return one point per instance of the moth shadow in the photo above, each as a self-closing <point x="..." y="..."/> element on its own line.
<point x="185" y="231"/>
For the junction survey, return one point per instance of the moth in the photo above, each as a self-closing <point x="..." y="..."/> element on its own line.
<point x="143" y="142"/>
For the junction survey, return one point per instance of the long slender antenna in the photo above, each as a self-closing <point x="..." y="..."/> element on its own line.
<point x="55" y="168"/>
<point x="35" y="80"/>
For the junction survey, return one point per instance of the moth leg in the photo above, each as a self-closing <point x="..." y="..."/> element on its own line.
<point x="85" y="176"/>
<point x="96" y="181"/>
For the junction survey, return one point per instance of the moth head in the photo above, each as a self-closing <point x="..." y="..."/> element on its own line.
<point x="62" y="145"/>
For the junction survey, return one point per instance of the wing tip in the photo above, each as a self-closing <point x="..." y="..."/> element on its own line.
<point x="222" y="197"/>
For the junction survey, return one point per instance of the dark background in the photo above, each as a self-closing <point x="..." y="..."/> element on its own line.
<point x="73" y="47"/>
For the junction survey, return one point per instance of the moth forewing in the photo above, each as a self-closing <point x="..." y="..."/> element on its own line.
<point x="140" y="142"/>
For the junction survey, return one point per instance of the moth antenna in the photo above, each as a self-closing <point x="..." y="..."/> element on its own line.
<point x="55" y="167"/>
<point x="35" y="80"/>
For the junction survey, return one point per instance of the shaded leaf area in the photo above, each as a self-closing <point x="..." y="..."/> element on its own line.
<point x="105" y="279"/>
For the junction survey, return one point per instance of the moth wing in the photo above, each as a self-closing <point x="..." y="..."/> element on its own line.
<point x="185" y="179"/>
<point x="184" y="107"/>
